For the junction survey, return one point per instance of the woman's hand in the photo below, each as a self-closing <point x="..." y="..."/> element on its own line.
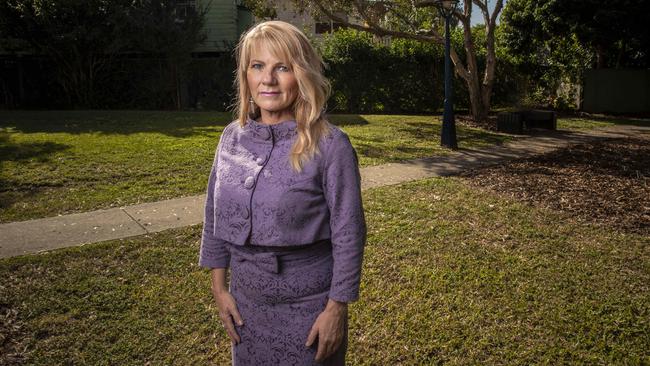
<point x="228" y="312"/>
<point x="328" y="327"/>
<point x="226" y="304"/>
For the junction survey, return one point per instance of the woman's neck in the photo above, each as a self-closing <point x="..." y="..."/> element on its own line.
<point x="272" y="118"/>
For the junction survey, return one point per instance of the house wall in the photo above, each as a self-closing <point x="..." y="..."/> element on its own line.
<point x="224" y="22"/>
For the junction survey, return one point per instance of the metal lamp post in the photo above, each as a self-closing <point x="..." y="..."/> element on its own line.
<point x="448" y="139"/>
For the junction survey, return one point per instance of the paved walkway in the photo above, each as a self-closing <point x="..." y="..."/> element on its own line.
<point x="33" y="236"/>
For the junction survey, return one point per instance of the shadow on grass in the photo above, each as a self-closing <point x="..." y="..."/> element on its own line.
<point x="41" y="151"/>
<point x="371" y="151"/>
<point x="343" y="120"/>
<point x="472" y="136"/>
<point x="421" y="130"/>
<point x="630" y="121"/>
<point x="174" y="124"/>
<point x="14" y="191"/>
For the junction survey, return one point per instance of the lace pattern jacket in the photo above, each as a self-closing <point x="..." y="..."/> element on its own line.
<point x="255" y="197"/>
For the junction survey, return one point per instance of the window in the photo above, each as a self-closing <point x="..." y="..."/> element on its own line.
<point x="184" y="9"/>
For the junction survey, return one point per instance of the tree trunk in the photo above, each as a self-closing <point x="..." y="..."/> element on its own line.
<point x="600" y="56"/>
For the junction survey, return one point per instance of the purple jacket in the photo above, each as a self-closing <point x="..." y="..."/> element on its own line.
<point x="255" y="197"/>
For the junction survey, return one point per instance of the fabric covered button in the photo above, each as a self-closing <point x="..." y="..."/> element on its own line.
<point x="249" y="182"/>
<point x="260" y="160"/>
<point x="245" y="213"/>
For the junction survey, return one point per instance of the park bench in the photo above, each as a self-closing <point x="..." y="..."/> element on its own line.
<point x="524" y="121"/>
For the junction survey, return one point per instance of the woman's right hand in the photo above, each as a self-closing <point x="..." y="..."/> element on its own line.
<point x="228" y="313"/>
<point x="226" y="304"/>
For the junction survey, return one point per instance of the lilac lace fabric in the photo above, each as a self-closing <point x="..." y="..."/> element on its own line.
<point x="261" y="216"/>
<point x="255" y="197"/>
<point x="279" y="304"/>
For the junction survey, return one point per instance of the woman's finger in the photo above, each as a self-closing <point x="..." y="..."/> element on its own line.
<point x="230" y="328"/>
<point x="320" y="353"/>
<point x="236" y="316"/>
<point x="329" y="347"/>
<point x="312" y="336"/>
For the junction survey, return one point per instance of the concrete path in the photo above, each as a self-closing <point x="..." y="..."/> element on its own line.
<point x="26" y="237"/>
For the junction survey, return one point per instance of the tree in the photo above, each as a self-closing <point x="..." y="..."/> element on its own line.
<point x="613" y="32"/>
<point x="548" y="60"/>
<point x="82" y="38"/>
<point x="421" y="21"/>
<point x="171" y="33"/>
<point x="555" y="41"/>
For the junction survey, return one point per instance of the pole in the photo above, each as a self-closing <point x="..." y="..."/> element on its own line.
<point x="448" y="138"/>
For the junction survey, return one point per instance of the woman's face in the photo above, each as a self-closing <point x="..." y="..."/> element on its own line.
<point x="273" y="85"/>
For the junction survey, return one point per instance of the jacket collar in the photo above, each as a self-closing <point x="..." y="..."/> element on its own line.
<point x="280" y="131"/>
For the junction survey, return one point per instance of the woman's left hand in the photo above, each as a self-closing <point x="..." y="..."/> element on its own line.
<point x="328" y="328"/>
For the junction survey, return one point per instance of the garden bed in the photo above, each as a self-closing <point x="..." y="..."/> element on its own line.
<point x="607" y="182"/>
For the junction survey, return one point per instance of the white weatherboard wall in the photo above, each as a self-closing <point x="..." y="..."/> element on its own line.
<point x="220" y="25"/>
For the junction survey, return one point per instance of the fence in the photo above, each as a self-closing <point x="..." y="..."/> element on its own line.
<point x="617" y="91"/>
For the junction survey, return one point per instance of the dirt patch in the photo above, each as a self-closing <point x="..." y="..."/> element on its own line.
<point x="489" y="124"/>
<point x="12" y="349"/>
<point x="605" y="182"/>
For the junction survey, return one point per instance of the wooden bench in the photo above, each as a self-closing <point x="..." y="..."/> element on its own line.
<point x="523" y="121"/>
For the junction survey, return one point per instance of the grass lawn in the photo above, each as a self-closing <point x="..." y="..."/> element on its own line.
<point x="59" y="162"/>
<point x="452" y="274"/>
<point x="581" y="123"/>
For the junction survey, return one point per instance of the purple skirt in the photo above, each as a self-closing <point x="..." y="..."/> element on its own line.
<point x="279" y="294"/>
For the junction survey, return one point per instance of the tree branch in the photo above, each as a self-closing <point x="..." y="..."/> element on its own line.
<point x="402" y="17"/>
<point x="357" y="4"/>
<point x="497" y="9"/>
<point x="484" y="9"/>
<point x="424" y="4"/>
<point x="375" y="29"/>
<point x="460" y="16"/>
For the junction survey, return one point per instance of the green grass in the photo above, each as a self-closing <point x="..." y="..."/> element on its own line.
<point x="59" y="162"/>
<point x="579" y="123"/>
<point x="381" y="139"/>
<point x="451" y="275"/>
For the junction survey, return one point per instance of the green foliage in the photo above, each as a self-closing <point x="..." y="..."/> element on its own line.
<point x="83" y="39"/>
<point x="368" y="76"/>
<point x="615" y="31"/>
<point x="405" y="76"/>
<point x="552" y="42"/>
<point x="358" y="87"/>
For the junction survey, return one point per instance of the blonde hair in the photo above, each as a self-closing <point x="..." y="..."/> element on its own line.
<point x="288" y="43"/>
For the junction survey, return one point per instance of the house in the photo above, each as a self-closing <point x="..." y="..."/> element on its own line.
<point x="225" y="21"/>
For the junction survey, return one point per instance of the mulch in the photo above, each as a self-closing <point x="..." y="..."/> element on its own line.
<point x="488" y="124"/>
<point x="604" y="183"/>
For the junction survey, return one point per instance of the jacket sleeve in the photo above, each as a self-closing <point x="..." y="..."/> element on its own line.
<point x="213" y="253"/>
<point x="342" y="187"/>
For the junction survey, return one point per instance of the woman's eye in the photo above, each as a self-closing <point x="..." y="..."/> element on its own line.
<point x="256" y="66"/>
<point x="283" y="68"/>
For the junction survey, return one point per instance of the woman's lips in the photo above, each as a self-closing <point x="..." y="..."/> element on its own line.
<point x="269" y="93"/>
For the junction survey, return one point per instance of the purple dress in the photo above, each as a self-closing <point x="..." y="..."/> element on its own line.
<point x="292" y="240"/>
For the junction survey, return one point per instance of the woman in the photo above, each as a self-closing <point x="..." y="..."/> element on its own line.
<point x="283" y="210"/>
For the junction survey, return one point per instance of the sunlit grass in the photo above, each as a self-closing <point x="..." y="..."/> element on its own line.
<point x="59" y="162"/>
<point x="451" y="275"/>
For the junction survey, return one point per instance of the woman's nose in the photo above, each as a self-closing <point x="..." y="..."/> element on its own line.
<point x="268" y="77"/>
